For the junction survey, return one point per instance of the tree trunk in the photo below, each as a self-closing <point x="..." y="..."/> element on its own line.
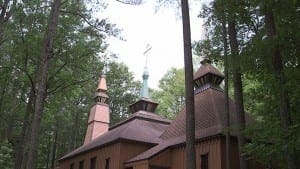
<point x="53" y="158"/>
<point x="41" y="93"/>
<point x="283" y="100"/>
<point x="20" y="156"/>
<point x="238" y="91"/>
<point x="227" y="117"/>
<point x="189" y="88"/>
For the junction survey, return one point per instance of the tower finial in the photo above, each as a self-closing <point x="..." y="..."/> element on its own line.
<point x="145" y="91"/>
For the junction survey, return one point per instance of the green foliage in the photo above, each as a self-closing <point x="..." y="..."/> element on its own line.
<point x="170" y="95"/>
<point x="79" y="55"/>
<point x="122" y="90"/>
<point x="6" y="155"/>
<point x="261" y="94"/>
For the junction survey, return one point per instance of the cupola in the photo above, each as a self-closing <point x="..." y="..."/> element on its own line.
<point x="144" y="103"/>
<point x="207" y="76"/>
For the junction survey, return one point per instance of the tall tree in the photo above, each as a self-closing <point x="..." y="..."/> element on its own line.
<point x="41" y="92"/>
<point x="283" y="99"/>
<point x="226" y="86"/>
<point x="238" y="90"/>
<point x="189" y="87"/>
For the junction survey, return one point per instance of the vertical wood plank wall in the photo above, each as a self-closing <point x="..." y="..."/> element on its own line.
<point x="141" y="165"/>
<point x="111" y="151"/>
<point x="162" y="160"/>
<point x="118" y="154"/>
<point x="211" y="146"/>
<point x="234" y="155"/>
<point x="130" y="150"/>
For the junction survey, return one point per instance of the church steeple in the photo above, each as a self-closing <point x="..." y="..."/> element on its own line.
<point x="98" y="122"/>
<point x="144" y="103"/>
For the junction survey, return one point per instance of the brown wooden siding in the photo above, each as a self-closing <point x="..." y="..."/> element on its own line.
<point x="118" y="154"/>
<point x="161" y="160"/>
<point x="212" y="147"/>
<point x="234" y="155"/>
<point x="138" y="165"/>
<point x="130" y="150"/>
<point x="111" y="151"/>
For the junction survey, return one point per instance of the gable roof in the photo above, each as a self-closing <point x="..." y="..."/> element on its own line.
<point x="132" y="129"/>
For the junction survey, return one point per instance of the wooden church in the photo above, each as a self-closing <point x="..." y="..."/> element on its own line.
<point x="146" y="140"/>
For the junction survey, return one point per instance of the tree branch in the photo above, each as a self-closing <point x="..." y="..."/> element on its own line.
<point x="60" y="88"/>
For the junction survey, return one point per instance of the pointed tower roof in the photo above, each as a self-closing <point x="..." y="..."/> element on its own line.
<point x="101" y="91"/>
<point x="102" y="84"/>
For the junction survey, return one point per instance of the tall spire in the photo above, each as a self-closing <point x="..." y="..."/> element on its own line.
<point x="145" y="91"/>
<point x="144" y="103"/>
<point x="98" y="122"/>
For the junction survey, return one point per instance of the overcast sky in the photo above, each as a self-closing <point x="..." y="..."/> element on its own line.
<point x="142" y="26"/>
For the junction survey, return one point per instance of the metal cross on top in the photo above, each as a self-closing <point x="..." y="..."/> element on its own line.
<point x="148" y="48"/>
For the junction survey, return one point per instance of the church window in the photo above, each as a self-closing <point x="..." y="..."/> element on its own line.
<point x="107" y="161"/>
<point x="204" y="161"/>
<point x="93" y="163"/>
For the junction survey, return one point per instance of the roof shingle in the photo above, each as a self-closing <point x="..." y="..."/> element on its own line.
<point x="132" y="128"/>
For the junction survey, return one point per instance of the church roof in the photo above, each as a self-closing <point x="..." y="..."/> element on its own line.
<point x="205" y="69"/>
<point x="132" y="129"/>
<point x="147" y="127"/>
<point x="209" y="121"/>
<point x="209" y="114"/>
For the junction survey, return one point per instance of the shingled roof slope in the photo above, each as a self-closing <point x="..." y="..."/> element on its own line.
<point x="209" y="121"/>
<point x="205" y="69"/>
<point x="141" y="127"/>
<point x="209" y="115"/>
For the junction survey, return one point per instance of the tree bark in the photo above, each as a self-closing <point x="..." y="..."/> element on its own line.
<point x="238" y="91"/>
<point x="41" y="92"/>
<point x="20" y="155"/>
<point x="53" y="158"/>
<point x="189" y="88"/>
<point x="283" y="100"/>
<point x="227" y="117"/>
